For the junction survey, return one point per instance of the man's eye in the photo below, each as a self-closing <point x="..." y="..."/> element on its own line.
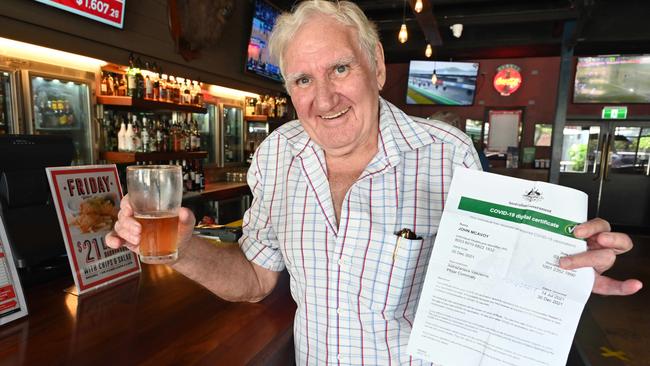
<point x="341" y="69"/>
<point x="303" y="81"/>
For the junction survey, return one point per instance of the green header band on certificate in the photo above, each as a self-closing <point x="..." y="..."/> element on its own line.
<point x="522" y="216"/>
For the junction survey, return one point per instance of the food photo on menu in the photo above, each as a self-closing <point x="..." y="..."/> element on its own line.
<point x="93" y="214"/>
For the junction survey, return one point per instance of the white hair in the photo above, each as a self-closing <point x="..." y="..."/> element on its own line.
<point x="345" y="12"/>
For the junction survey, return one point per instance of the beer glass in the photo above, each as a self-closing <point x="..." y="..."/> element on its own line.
<point x="155" y="193"/>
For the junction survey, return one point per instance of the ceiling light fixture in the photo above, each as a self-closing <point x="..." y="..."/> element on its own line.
<point x="418" y="6"/>
<point x="403" y="35"/>
<point x="428" y="51"/>
<point x="457" y="30"/>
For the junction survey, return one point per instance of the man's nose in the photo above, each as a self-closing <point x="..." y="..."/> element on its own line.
<point x="326" y="97"/>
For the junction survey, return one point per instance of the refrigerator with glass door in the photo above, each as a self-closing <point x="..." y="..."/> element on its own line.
<point x="9" y="118"/>
<point x="60" y="104"/>
<point x="231" y="135"/>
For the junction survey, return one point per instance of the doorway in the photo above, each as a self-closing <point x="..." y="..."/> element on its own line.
<point x="609" y="162"/>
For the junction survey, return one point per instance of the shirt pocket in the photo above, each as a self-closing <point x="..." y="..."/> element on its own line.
<point x="388" y="273"/>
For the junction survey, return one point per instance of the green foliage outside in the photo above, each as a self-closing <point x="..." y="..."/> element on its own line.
<point x="578" y="154"/>
<point x="644" y="143"/>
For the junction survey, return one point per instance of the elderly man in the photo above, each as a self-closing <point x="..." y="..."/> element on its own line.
<point x="330" y="191"/>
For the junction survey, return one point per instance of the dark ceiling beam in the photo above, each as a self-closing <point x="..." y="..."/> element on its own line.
<point x="514" y="17"/>
<point x="488" y="19"/>
<point x="428" y="23"/>
<point x="585" y="8"/>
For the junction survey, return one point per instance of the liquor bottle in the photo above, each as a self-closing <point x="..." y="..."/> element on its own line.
<point x="63" y="117"/>
<point x="156" y="86"/>
<point x="171" y="91"/>
<point x="192" y="183"/>
<point x="193" y="91"/>
<point x="121" y="87"/>
<point x="201" y="176"/>
<point x="128" y="138"/>
<point x="197" y="137"/>
<point x="186" y="178"/>
<point x="130" y="79"/>
<point x="121" y="138"/>
<point x="177" y="91"/>
<point x="148" y="87"/>
<point x="181" y="90"/>
<point x="159" y="137"/>
<point x="199" y="94"/>
<point x="265" y="106"/>
<point x="112" y="135"/>
<point x="136" y="134"/>
<point x="69" y="113"/>
<point x="167" y="137"/>
<point x="162" y="88"/>
<point x="144" y="136"/>
<point x="139" y="80"/>
<point x="176" y="138"/>
<point x="110" y="84"/>
<point x="271" y="107"/>
<point x="258" y="106"/>
<point x="187" y="137"/>
<point x="104" y="85"/>
<point x="250" y="106"/>
<point x="187" y="94"/>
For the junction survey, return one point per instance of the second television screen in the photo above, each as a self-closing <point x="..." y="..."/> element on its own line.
<point x="442" y="83"/>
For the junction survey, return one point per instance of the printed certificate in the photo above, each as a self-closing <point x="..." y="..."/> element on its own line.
<point x="494" y="293"/>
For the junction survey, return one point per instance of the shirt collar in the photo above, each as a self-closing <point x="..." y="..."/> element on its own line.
<point x="399" y="133"/>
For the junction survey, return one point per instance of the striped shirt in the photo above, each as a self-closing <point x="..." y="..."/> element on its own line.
<point x="355" y="288"/>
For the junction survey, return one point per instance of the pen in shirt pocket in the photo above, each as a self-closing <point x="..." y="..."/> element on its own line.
<point x="404" y="234"/>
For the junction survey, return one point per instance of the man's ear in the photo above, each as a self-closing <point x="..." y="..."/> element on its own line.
<point x="381" y="66"/>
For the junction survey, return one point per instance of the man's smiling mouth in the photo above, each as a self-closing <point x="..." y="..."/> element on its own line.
<point x="336" y="115"/>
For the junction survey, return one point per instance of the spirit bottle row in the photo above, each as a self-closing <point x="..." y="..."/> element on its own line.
<point x="142" y="83"/>
<point x="133" y="134"/>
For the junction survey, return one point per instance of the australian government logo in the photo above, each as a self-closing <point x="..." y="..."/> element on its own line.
<point x="533" y="195"/>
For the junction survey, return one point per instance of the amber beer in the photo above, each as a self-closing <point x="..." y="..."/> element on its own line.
<point x="159" y="236"/>
<point x="155" y="194"/>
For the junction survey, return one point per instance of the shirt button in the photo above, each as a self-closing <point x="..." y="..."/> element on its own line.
<point x="341" y="262"/>
<point x="340" y="357"/>
<point x="339" y="311"/>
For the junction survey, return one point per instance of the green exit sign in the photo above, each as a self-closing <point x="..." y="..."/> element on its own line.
<point x="614" y="113"/>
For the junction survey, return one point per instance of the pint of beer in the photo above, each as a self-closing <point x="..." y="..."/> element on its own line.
<point x="155" y="193"/>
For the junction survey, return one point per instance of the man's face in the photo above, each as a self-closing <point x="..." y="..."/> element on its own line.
<point x="333" y="87"/>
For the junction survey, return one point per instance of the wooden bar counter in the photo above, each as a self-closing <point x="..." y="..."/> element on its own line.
<point x="157" y="318"/>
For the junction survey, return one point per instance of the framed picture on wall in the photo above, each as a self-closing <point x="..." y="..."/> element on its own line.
<point x="505" y="129"/>
<point x="543" y="134"/>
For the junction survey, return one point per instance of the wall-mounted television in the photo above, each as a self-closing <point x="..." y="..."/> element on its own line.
<point x="612" y="79"/>
<point x="258" y="60"/>
<point x="441" y="83"/>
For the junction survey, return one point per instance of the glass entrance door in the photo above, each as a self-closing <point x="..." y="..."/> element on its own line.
<point x="609" y="162"/>
<point x="625" y="179"/>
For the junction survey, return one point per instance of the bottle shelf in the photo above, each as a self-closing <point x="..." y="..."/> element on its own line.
<point x="256" y="118"/>
<point x="132" y="157"/>
<point x="135" y="103"/>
